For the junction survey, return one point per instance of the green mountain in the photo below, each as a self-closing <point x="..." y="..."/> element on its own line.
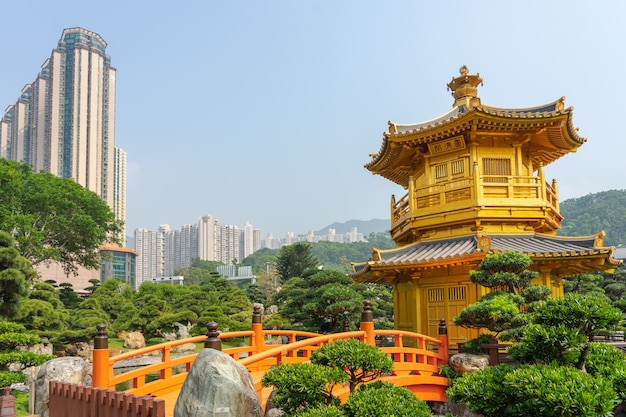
<point x="593" y="213"/>
<point x="363" y="226"/>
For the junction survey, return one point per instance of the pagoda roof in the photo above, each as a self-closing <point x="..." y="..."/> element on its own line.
<point x="113" y="247"/>
<point x="549" y="128"/>
<point x="426" y="254"/>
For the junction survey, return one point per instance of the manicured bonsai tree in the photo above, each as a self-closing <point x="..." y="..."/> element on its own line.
<point x="299" y="386"/>
<point x="361" y="362"/>
<point x="12" y="336"/>
<point x="305" y="389"/>
<point x="500" y="311"/>
<point x="562" y="329"/>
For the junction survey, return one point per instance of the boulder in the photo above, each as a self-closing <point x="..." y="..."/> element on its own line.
<point x="66" y="369"/>
<point x="80" y="349"/>
<point x="180" y="332"/>
<point x="134" y="340"/>
<point x="185" y="348"/>
<point x="217" y="386"/>
<point x="468" y="362"/>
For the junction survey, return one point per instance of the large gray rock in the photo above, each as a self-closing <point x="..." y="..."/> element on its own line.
<point x="66" y="369"/>
<point x="134" y="340"/>
<point x="217" y="386"/>
<point x="464" y="363"/>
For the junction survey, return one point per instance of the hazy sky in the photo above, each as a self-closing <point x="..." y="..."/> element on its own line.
<point x="266" y="111"/>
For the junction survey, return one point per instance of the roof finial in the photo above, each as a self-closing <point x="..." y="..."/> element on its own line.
<point x="465" y="88"/>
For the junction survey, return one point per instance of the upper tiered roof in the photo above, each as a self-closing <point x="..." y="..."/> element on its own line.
<point x="549" y="128"/>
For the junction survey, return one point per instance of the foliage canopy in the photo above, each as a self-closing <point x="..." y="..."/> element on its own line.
<point x="52" y="218"/>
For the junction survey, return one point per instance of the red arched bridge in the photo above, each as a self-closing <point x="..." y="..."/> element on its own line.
<point x="417" y="362"/>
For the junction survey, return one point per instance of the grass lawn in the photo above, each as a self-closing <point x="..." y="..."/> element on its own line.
<point x="21" y="403"/>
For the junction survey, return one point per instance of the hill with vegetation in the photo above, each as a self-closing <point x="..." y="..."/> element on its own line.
<point x="331" y="255"/>
<point x="367" y="227"/>
<point x="593" y="213"/>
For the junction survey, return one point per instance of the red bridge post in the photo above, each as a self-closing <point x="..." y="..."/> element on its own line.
<point x="100" y="370"/>
<point x="257" y="330"/>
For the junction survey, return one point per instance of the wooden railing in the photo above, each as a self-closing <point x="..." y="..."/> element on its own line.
<point x="486" y="190"/>
<point x="417" y="358"/>
<point x="80" y="401"/>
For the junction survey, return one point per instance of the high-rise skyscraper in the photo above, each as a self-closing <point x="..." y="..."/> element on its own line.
<point x="119" y="189"/>
<point x="64" y="121"/>
<point x="208" y="232"/>
<point x="151" y="260"/>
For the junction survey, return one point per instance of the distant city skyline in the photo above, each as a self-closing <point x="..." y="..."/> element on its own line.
<point x="163" y="252"/>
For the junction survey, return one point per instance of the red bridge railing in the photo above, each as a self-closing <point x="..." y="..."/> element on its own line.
<point x="417" y="358"/>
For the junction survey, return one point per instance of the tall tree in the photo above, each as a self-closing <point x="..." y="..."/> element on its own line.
<point x="327" y="301"/>
<point x="15" y="276"/>
<point x="295" y="261"/>
<point x="52" y="218"/>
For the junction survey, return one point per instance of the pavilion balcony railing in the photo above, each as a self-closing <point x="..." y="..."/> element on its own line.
<point x="467" y="192"/>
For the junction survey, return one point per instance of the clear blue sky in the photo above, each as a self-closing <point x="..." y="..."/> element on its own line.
<point x="266" y="111"/>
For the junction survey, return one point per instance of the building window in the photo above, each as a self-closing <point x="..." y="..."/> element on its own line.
<point x="457" y="293"/>
<point x="457" y="167"/>
<point x="441" y="172"/>
<point x="496" y="169"/>
<point x="435" y="295"/>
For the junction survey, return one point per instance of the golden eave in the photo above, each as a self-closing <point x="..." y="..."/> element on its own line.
<point x="550" y="126"/>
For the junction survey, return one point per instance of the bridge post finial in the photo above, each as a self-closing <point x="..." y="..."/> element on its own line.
<point x="367" y="314"/>
<point x="367" y="323"/>
<point x="256" y="341"/>
<point x="256" y="313"/>
<point x="444" y="347"/>
<point x="212" y="340"/>
<point x="443" y="329"/>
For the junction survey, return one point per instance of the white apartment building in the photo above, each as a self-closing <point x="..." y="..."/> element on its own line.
<point x="208" y="238"/>
<point x="64" y="121"/>
<point x="150" y="262"/>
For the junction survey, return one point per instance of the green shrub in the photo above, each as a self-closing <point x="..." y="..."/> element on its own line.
<point x="7" y="378"/>
<point x="321" y="411"/>
<point x="558" y="391"/>
<point x="24" y="357"/>
<point x="301" y="385"/>
<point x="545" y="344"/>
<point x="473" y="346"/>
<point x="483" y="392"/>
<point x="384" y="399"/>
<point x="534" y="390"/>
<point x="563" y="328"/>
<point x="362" y="362"/>
<point x="609" y="362"/>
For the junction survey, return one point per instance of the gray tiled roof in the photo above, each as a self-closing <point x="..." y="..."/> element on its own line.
<point x="620" y="253"/>
<point x="429" y="251"/>
<point x="450" y="249"/>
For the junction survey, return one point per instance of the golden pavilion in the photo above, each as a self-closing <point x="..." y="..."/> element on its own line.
<point x="475" y="184"/>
